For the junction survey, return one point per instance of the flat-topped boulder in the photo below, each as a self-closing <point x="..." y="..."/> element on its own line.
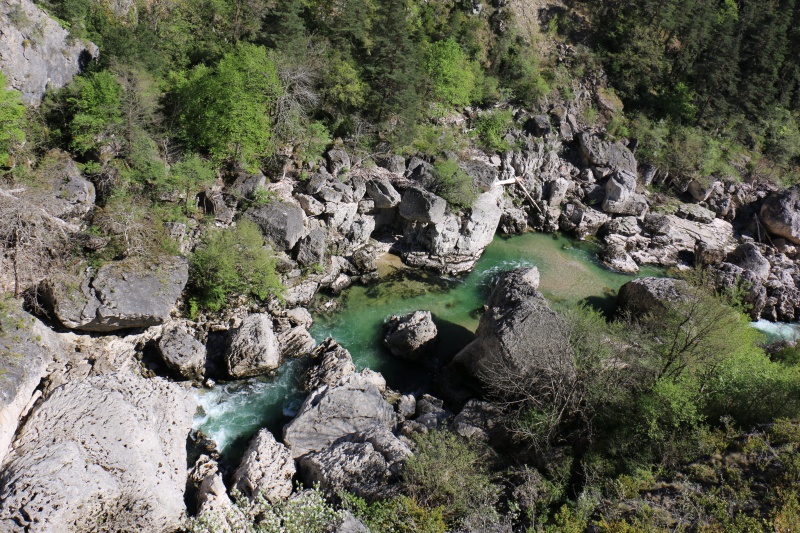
<point x="181" y="351"/>
<point x="282" y="223"/>
<point x="109" y="449"/>
<point x="419" y="205"/>
<point x="124" y="294"/>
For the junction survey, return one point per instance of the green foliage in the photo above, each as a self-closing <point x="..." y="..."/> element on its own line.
<point x="94" y="102"/>
<point x="190" y="175"/>
<point x="491" y="128"/>
<point x="232" y="261"/>
<point x="448" y="471"/>
<point x="454" y="185"/>
<point x="399" y="514"/>
<point x="450" y="74"/>
<point x="12" y="122"/>
<point x="226" y="110"/>
<point x="310" y="147"/>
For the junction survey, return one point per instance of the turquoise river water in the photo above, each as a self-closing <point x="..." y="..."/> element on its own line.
<point x="570" y="273"/>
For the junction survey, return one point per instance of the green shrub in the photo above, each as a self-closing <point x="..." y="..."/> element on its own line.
<point x="232" y="261"/>
<point x="12" y="121"/>
<point x="448" y="471"/>
<point x="94" y="103"/>
<point x="450" y="74"/>
<point x="454" y="185"/>
<point x="400" y="514"/>
<point x="492" y="127"/>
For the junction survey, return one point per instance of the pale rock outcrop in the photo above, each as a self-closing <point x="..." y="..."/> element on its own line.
<point x="749" y="257"/>
<point x="36" y="53"/>
<point x="330" y="363"/>
<point x="648" y="295"/>
<point x="383" y="193"/>
<point x="605" y="156"/>
<point x="253" y="348"/>
<point x="266" y="468"/>
<point x="124" y="294"/>
<point x="419" y="205"/>
<point x="109" y="449"/>
<point x="780" y="214"/>
<point x="26" y="348"/>
<point x="282" y="223"/>
<point x="181" y="351"/>
<point x="621" y="196"/>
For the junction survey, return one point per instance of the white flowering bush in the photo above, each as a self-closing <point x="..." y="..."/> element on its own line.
<point x="305" y="512"/>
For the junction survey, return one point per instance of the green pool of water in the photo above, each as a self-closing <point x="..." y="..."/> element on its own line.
<point x="570" y="273"/>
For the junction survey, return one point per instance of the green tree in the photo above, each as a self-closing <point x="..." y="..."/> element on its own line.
<point x="450" y="74"/>
<point x="12" y="121"/>
<point x="95" y="106"/>
<point x="232" y="261"/>
<point x="227" y="110"/>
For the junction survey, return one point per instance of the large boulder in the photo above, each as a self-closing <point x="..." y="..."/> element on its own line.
<point x="36" y="53"/>
<point x="124" y="294"/>
<point x="331" y="362"/>
<point x="680" y="234"/>
<point x="363" y="464"/>
<point x="33" y="346"/>
<point x="383" y="193"/>
<point x="281" y="223"/>
<point x="606" y="156"/>
<point x="353" y="405"/>
<point x="311" y="249"/>
<point x="621" y="197"/>
<point x="419" y="205"/>
<point x="253" y="348"/>
<point x="519" y="337"/>
<point x="266" y="468"/>
<point x="108" y="450"/>
<point x="338" y="161"/>
<point x="410" y="335"/>
<point x="182" y="352"/>
<point x="780" y="214"/>
<point x="648" y="295"/>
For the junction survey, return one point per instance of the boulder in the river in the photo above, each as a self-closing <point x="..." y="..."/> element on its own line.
<point x="419" y="205"/>
<point x="253" y="348"/>
<point x="181" y="351"/>
<point x="296" y="342"/>
<point x="283" y="224"/>
<point x="410" y="335"/>
<point x="107" y="450"/>
<point x="266" y="468"/>
<point x="329" y="413"/>
<point x="519" y="337"/>
<point x="648" y="295"/>
<point x="330" y="362"/>
<point x="125" y="294"/>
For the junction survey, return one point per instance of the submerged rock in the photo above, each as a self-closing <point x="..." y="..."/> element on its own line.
<point x="108" y="450"/>
<point x="410" y="335"/>
<point x="124" y="294"/>
<point x="253" y="348"/>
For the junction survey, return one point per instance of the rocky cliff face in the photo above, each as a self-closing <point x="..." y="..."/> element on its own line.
<point x="109" y="450"/>
<point x="36" y="53"/>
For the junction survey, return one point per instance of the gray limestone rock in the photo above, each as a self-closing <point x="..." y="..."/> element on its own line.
<point x="281" y="223"/>
<point x="519" y="336"/>
<point x="253" y="348"/>
<point x="125" y="294"/>
<point x="393" y="163"/>
<point x="383" y="193"/>
<point x="330" y="364"/>
<point x="621" y="197"/>
<point x="353" y="405"/>
<point x="338" y="161"/>
<point x="311" y="248"/>
<point x="33" y="345"/>
<point x="266" y="468"/>
<point x="648" y="295"/>
<point x="419" y="205"/>
<point x="606" y="156"/>
<point x="295" y="342"/>
<point x="181" y="351"/>
<point x="749" y="257"/>
<point x="36" y="53"/>
<point x="110" y="449"/>
<point x="780" y="214"/>
<point x="410" y="335"/>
